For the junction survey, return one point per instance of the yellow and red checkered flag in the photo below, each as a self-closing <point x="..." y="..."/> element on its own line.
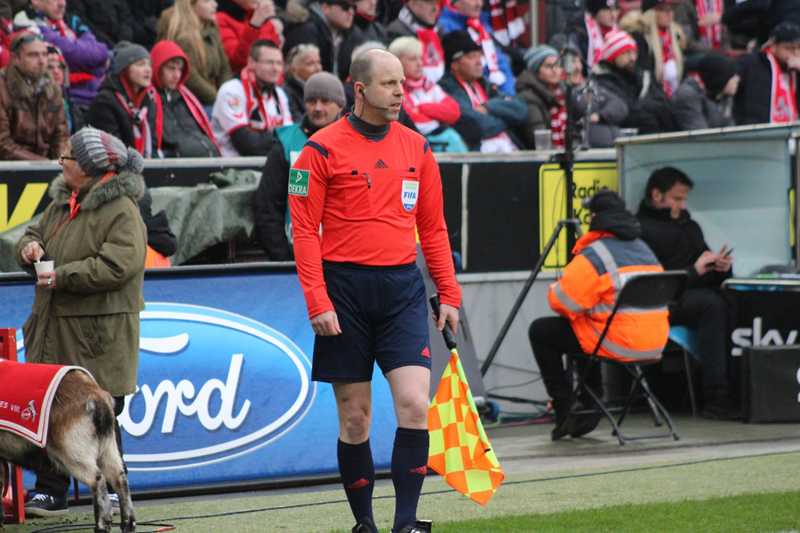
<point x="459" y="448"/>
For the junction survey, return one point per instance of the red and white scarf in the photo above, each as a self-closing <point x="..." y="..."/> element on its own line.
<point x="500" y="143"/>
<point x="484" y="39"/>
<point x="197" y="111"/>
<point x="63" y="29"/>
<point x="558" y="118"/>
<point x="505" y="20"/>
<point x="783" y="101"/>
<point x="712" y="35"/>
<point x="142" y="134"/>
<point x="669" y="66"/>
<point x="256" y="98"/>
<point x="422" y="91"/>
<point x="597" y="35"/>
<point x="432" y="52"/>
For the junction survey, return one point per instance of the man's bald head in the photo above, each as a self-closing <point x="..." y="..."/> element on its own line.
<point x="363" y="66"/>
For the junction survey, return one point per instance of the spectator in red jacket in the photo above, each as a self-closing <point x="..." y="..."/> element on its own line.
<point x="243" y="22"/>
<point x="432" y="110"/>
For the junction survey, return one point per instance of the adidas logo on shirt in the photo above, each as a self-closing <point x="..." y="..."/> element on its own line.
<point x="381" y="164"/>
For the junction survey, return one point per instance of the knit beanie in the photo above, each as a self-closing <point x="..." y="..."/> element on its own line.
<point x="715" y="70"/>
<point x="99" y="152"/>
<point x="458" y="43"/>
<point x="536" y="55"/>
<point x="616" y="43"/>
<point x="126" y="54"/>
<point x="326" y="86"/>
<point x="593" y="6"/>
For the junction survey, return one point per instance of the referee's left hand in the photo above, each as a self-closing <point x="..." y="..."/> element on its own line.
<point x="450" y="314"/>
<point x="326" y="324"/>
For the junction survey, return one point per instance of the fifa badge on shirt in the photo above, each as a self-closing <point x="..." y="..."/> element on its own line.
<point x="410" y="191"/>
<point x="298" y="182"/>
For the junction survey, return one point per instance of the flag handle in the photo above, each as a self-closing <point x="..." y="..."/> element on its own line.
<point x="449" y="339"/>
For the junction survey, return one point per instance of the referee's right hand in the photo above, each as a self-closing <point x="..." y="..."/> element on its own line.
<point x="326" y="324"/>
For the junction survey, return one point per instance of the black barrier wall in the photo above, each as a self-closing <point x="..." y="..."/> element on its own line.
<point x="491" y="204"/>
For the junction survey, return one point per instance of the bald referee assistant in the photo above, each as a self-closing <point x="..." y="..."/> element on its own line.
<point x="370" y="181"/>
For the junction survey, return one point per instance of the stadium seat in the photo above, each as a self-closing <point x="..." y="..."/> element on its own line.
<point x="642" y="292"/>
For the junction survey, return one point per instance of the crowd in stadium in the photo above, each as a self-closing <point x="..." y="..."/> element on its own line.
<point x="202" y="78"/>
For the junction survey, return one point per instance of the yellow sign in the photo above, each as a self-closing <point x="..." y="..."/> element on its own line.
<point x="588" y="178"/>
<point x="25" y="208"/>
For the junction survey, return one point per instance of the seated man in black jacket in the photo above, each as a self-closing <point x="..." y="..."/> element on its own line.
<point x="678" y="243"/>
<point x="324" y="99"/>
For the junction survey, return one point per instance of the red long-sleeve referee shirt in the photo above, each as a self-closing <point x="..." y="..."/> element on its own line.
<point x="368" y="196"/>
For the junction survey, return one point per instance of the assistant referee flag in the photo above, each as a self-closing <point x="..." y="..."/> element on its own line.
<point x="459" y="448"/>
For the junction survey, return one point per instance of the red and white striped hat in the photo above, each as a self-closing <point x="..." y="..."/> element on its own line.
<point x="616" y="43"/>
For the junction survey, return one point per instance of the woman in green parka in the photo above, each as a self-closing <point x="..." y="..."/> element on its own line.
<point x="86" y="312"/>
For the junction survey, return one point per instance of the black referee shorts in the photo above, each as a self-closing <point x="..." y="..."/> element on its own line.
<point x="383" y="316"/>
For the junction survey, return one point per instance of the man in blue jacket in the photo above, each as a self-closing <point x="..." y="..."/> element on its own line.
<point x="487" y="113"/>
<point x="466" y="15"/>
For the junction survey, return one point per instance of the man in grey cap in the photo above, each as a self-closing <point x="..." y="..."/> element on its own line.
<point x="324" y="100"/>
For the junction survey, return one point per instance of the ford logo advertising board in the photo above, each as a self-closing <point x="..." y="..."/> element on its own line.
<point x="240" y="410"/>
<point x="224" y="391"/>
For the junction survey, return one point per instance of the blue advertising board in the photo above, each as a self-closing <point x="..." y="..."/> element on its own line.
<point x="224" y="386"/>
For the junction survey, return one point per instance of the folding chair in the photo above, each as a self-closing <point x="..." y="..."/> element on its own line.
<point x="689" y="341"/>
<point x="8" y="350"/>
<point x="642" y="292"/>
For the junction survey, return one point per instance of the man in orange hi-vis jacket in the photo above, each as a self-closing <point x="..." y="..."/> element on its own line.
<point x="369" y="181"/>
<point x="584" y="296"/>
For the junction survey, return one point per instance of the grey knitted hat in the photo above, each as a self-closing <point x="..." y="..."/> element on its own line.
<point x="326" y="86"/>
<point x="126" y="54"/>
<point x="99" y="152"/>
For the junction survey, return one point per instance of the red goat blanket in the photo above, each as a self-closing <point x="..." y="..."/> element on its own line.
<point x="26" y="395"/>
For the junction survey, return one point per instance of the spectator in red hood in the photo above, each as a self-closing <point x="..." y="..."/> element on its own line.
<point x="186" y="128"/>
<point x="243" y="22"/>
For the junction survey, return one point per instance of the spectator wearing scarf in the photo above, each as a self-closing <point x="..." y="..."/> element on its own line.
<point x="127" y="105"/>
<point x="588" y="30"/>
<point x="187" y="129"/>
<point x="418" y="19"/>
<point x="466" y="15"/>
<point x="768" y="91"/>
<point x="432" y="110"/>
<point x="542" y="89"/>
<point x="487" y="114"/>
<point x="249" y="107"/>
<point x="59" y="71"/>
<point x="662" y="42"/>
<point x="86" y="57"/>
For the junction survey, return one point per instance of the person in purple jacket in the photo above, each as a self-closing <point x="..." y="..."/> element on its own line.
<point x="86" y="57"/>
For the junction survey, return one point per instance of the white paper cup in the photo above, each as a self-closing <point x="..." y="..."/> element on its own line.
<point x="44" y="267"/>
<point x="542" y="139"/>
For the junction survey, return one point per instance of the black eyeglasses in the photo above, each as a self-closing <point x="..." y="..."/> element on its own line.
<point x="62" y="157"/>
<point x="26" y="39"/>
